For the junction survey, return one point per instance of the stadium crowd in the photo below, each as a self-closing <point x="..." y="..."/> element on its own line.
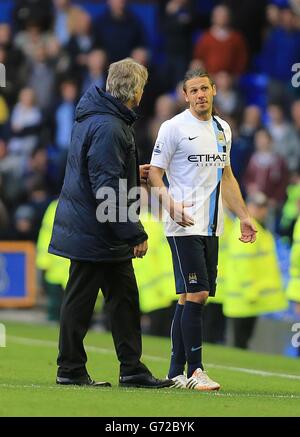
<point x="53" y="50"/>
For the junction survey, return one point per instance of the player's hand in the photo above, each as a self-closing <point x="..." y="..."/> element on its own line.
<point x="140" y="250"/>
<point x="144" y="172"/>
<point x="248" y="231"/>
<point x="179" y="215"/>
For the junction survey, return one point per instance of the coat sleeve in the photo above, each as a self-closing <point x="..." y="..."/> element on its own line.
<point x="106" y="161"/>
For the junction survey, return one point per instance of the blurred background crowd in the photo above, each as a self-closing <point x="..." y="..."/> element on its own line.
<point x="53" y="50"/>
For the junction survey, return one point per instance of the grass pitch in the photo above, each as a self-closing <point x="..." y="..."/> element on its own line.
<point x="252" y="384"/>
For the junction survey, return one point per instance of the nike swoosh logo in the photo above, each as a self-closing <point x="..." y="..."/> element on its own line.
<point x="192" y="138"/>
<point x="194" y="349"/>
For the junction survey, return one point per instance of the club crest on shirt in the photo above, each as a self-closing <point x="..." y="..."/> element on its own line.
<point x="158" y="147"/>
<point x="221" y="137"/>
<point x="193" y="278"/>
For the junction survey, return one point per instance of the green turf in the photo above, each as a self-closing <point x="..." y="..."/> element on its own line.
<point x="28" y="368"/>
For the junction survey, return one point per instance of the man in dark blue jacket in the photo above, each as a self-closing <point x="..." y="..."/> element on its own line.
<point x="89" y="231"/>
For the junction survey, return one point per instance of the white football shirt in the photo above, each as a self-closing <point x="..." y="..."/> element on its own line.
<point x="194" y="153"/>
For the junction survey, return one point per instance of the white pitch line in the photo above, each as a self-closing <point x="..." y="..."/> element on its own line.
<point x="164" y="392"/>
<point x="37" y="342"/>
<point x="255" y="371"/>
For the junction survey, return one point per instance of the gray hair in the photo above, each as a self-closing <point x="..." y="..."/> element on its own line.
<point x="125" y="78"/>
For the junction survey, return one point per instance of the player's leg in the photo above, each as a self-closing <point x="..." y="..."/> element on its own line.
<point x="189" y="254"/>
<point x="178" y="358"/>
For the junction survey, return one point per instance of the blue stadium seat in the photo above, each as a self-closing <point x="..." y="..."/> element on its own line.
<point x="146" y="12"/>
<point x="255" y="89"/>
<point x="5" y="10"/>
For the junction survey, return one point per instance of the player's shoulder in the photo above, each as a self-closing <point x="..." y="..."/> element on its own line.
<point x="223" y="123"/>
<point x="173" y="122"/>
<point x="177" y="119"/>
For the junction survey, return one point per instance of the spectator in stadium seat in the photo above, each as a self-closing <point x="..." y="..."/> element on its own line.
<point x="39" y="11"/>
<point x="31" y="38"/>
<point x="248" y="17"/>
<point x="118" y="31"/>
<point x="267" y="172"/>
<point x="154" y="87"/>
<point x="146" y="108"/>
<point x="228" y="100"/>
<point x="178" y="23"/>
<point x="221" y="48"/>
<point x="165" y="108"/>
<point x="101" y="249"/>
<point x="64" y="119"/>
<point x="62" y="9"/>
<point x="295" y="113"/>
<point x="244" y="141"/>
<point x="41" y="78"/>
<point x="284" y="136"/>
<point x="15" y="64"/>
<point x="95" y="70"/>
<point x="25" y="228"/>
<point x="81" y="41"/>
<point x="26" y="121"/>
<point x="281" y="49"/>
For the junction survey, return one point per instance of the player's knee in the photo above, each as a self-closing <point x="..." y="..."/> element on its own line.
<point x="200" y="297"/>
<point x="182" y="299"/>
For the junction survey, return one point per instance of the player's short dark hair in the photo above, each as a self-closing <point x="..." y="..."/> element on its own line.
<point x="197" y="72"/>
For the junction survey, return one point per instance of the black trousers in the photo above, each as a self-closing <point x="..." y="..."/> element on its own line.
<point x="243" y="328"/>
<point x="214" y="323"/>
<point x="118" y="284"/>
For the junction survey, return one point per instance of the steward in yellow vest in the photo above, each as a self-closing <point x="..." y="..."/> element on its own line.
<point x="55" y="269"/>
<point x="214" y="321"/>
<point x="155" y="279"/>
<point x="293" y="289"/>
<point x="254" y="284"/>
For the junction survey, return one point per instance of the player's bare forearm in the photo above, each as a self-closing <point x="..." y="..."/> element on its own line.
<point x="175" y="209"/>
<point x="160" y="190"/>
<point x="232" y="196"/>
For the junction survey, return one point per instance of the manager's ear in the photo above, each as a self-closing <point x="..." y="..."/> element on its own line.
<point x="214" y="90"/>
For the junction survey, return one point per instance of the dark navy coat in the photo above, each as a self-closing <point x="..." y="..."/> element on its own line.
<point x="102" y="152"/>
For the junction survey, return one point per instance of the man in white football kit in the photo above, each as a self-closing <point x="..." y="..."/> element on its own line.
<point x="193" y="149"/>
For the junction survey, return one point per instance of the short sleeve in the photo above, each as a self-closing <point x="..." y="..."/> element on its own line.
<point x="228" y="138"/>
<point x="164" y="147"/>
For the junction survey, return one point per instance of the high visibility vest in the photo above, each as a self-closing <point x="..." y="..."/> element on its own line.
<point x="154" y="273"/>
<point x="254" y="284"/>
<point x="56" y="268"/>
<point x="293" y="289"/>
<point x="222" y="260"/>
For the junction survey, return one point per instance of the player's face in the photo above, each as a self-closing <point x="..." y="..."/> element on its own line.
<point x="199" y="94"/>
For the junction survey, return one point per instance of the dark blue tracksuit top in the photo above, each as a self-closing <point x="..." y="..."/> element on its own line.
<point x="102" y="152"/>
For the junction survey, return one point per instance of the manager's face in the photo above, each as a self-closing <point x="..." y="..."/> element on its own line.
<point x="199" y="93"/>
